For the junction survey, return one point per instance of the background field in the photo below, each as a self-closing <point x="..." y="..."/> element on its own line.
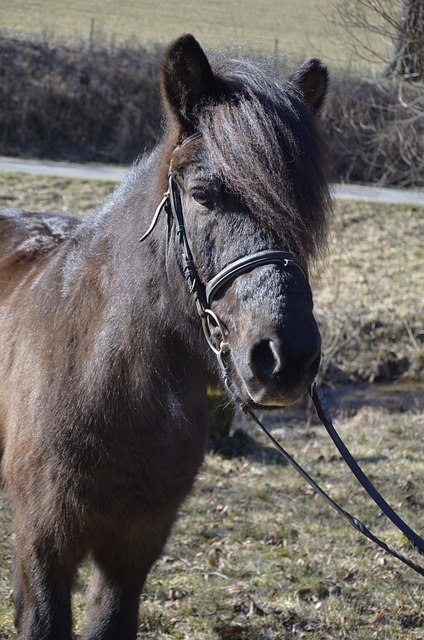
<point x="255" y="555"/>
<point x="79" y="80"/>
<point x="300" y="27"/>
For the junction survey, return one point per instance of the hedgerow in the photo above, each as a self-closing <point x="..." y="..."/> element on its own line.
<point x="92" y="101"/>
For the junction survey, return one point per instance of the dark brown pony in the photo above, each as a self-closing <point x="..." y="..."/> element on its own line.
<point x="104" y="367"/>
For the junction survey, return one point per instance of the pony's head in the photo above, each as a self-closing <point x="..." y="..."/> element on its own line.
<point x="252" y="181"/>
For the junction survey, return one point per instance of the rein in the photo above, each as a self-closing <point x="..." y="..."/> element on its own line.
<point x="416" y="541"/>
<point x="211" y="324"/>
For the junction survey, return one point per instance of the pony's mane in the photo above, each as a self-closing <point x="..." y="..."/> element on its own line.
<point x="265" y="144"/>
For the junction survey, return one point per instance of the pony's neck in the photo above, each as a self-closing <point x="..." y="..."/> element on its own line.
<point x="142" y="283"/>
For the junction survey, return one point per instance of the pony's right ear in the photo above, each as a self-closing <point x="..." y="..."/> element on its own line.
<point x="312" y="80"/>
<point x="187" y="81"/>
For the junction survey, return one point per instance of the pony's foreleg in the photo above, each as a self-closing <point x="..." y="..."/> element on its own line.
<point x="113" y="606"/>
<point x="41" y="591"/>
<point x="122" y="561"/>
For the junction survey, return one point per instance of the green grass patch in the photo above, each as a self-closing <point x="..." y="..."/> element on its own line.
<point x="299" y="27"/>
<point x="45" y="193"/>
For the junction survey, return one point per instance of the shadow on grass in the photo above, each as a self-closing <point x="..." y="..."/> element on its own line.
<point x="241" y="445"/>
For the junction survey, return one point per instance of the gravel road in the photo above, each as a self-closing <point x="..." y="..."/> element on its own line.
<point x="115" y="173"/>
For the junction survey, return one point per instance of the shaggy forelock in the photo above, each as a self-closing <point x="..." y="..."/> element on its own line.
<point x="263" y="141"/>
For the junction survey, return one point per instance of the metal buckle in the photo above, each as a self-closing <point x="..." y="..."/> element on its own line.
<point x="209" y="317"/>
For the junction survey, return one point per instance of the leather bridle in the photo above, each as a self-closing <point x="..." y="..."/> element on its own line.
<point x="204" y="294"/>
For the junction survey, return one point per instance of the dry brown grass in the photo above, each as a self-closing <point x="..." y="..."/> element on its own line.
<point x="369" y="300"/>
<point x="255" y="555"/>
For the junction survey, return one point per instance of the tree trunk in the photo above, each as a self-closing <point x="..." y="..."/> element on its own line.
<point x="408" y="55"/>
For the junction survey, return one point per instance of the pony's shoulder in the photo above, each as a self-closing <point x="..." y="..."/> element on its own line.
<point x="30" y="235"/>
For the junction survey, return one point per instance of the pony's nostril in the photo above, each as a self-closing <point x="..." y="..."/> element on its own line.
<point x="268" y="362"/>
<point x="265" y="361"/>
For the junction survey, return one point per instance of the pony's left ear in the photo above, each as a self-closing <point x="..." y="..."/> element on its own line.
<point x="312" y="80"/>
<point x="187" y="80"/>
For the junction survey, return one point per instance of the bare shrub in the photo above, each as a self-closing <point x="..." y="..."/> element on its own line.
<point x="389" y="33"/>
<point x="95" y="102"/>
<point x="375" y="129"/>
<point x="77" y="101"/>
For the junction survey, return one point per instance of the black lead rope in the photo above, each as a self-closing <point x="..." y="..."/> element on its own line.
<point x="318" y="399"/>
<point x="416" y="541"/>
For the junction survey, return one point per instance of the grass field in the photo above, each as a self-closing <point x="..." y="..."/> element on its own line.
<point x="300" y="28"/>
<point x="255" y="555"/>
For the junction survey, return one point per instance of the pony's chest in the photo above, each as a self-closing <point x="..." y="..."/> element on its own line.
<point x="137" y="466"/>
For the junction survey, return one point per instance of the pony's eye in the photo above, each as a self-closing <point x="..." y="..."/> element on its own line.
<point x="202" y="198"/>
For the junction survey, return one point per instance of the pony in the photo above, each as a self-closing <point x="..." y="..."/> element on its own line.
<point x="104" y="364"/>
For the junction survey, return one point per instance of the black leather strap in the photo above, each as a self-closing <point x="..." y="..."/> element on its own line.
<point x="318" y="399"/>
<point x="415" y="540"/>
<point x="247" y="263"/>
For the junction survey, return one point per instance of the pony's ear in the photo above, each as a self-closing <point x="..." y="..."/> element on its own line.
<point x="187" y="80"/>
<point x="312" y="80"/>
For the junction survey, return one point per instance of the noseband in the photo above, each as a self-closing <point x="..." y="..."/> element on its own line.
<point x="204" y="295"/>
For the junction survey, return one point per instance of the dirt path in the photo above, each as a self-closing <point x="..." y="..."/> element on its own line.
<point x="63" y="169"/>
<point x="115" y="173"/>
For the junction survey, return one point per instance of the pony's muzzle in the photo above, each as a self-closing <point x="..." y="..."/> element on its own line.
<point x="277" y="373"/>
